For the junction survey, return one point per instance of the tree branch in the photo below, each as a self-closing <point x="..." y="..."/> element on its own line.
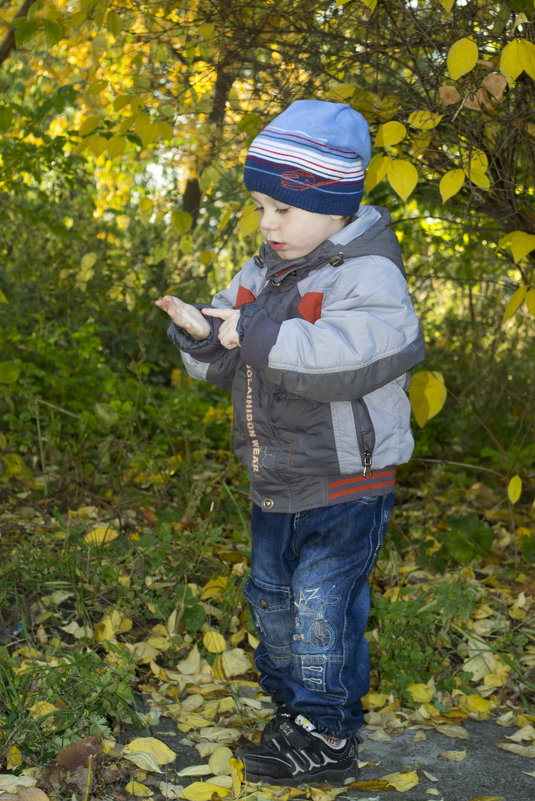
<point x="9" y="42"/>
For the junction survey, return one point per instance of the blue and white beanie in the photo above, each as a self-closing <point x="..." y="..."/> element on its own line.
<point x="312" y="156"/>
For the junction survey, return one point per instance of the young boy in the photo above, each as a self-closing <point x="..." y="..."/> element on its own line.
<point x="316" y="337"/>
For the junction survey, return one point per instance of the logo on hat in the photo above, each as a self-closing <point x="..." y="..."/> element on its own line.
<point x="298" y="180"/>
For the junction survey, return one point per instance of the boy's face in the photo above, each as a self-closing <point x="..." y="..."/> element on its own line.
<point x="293" y="232"/>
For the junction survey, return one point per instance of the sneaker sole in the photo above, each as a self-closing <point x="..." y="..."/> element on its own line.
<point x="332" y="777"/>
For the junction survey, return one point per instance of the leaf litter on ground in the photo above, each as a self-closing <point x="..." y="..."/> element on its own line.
<point x="203" y="679"/>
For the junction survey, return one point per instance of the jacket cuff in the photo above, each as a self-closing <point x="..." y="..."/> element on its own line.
<point x="204" y="350"/>
<point x="257" y="338"/>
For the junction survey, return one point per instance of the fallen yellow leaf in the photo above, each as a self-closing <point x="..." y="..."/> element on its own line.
<point x="420" y="693"/>
<point x="188" y="722"/>
<point x="452" y="756"/>
<point x="191" y="664"/>
<point x="31" y="794"/>
<point x="138" y="790"/>
<point x="77" y="631"/>
<point x="143" y="760"/>
<point x="14" y="758"/>
<point x="214" y="588"/>
<point x="236" y="772"/>
<point x="101" y="535"/>
<point x="219" y="761"/>
<point x="170" y="791"/>
<point x="235" y="662"/>
<point x="520" y="750"/>
<point x="203" y="791"/>
<point x="151" y="745"/>
<point x="475" y="705"/>
<point x="142" y="652"/>
<point x="488" y="798"/>
<point x="372" y="785"/>
<point x="214" y="642"/>
<point x="402" y="781"/>
<point x="195" y="770"/>
<point x="9" y="783"/>
<point x="112" y="623"/>
<point x="41" y="709"/>
<point x="315" y="794"/>
<point x="373" y="700"/>
<point x="451" y="730"/>
<point x="525" y="734"/>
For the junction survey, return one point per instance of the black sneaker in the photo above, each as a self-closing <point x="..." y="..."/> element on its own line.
<point x="297" y="754"/>
<point x="272" y="727"/>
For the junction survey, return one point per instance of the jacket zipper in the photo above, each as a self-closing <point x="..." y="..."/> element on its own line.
<point x="365" y="435"/>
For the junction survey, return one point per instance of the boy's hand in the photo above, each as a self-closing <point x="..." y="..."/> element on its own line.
<point x="228" y="336"/>
<point x="186" y="316"/>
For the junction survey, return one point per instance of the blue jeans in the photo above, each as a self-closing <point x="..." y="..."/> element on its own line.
<point x="309" y="595"/>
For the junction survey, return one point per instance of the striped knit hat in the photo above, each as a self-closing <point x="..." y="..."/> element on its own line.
<point x="312" y="156"/>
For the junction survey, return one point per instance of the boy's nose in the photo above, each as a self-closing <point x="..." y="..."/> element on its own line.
<point x="269" y="221"/>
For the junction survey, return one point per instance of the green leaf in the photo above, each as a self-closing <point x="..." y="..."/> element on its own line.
<point x="164" y="129"/>
<point x="116" y="146"/>
<point x="9" y="372"/>
<point x="181" y="220"/>
<point x="54" y="30"/>
<point x="89" y="125"/>
<point x="469" y="538"/>
<point x="114" y="23"/>
<point x="96" y="87"/>
<point x="427" y="394"/>
<point x="96" y="143"/>
<point x="146" y="129"/>
<point x="25" y="29"/>
<point x="106" y="414"/>
<point x="6" y="118"/>
<point x="121" y="101"/>
<point x="462" y="57"/>
<point x="186" y="244"/>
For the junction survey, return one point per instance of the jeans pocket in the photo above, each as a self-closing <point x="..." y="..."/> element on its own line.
<point x="268" y="598"/>
<point x="272" y="610"/>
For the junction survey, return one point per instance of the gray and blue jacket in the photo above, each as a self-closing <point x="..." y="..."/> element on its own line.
<point x="321" y="413"/>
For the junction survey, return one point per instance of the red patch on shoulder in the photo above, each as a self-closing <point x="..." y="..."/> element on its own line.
<point x="244" y="296"/>
<point x="310" y="306"/>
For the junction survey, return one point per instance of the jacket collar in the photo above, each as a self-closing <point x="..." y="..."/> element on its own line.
<point x="371" y="222"/>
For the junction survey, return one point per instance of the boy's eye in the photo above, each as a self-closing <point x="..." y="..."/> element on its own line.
<point x="282" y="211"/>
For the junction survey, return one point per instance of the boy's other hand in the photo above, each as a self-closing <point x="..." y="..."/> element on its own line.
<point x="228" y="335"/>
<point x="186" y="316"/>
